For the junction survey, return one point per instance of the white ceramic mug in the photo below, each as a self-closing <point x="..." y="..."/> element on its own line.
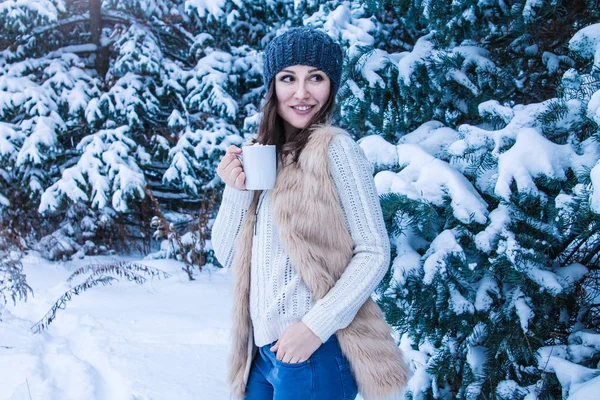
<point x="260" y="165"/>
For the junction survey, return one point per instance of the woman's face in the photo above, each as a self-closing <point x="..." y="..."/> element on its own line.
<point x="301" y="92"/>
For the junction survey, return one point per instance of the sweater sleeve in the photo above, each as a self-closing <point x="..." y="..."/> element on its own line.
<point x="228" y="222"/>
<point x="353" y="177"/>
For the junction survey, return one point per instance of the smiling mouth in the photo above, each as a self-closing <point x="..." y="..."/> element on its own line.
<point x="302" y="108"/>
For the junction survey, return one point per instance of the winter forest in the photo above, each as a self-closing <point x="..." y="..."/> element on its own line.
<point x="481" y="119"/>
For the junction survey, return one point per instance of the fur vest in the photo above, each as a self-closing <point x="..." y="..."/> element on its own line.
<point x="304" y="200"/>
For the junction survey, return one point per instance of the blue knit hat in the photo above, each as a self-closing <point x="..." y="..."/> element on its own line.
<point x="303" y="46"/>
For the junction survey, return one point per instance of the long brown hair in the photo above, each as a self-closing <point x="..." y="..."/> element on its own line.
<point x="271" y="131"/>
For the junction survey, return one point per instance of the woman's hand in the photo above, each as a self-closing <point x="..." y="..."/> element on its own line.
<point x="296" y="344"/>
<point x="230" y="169"/>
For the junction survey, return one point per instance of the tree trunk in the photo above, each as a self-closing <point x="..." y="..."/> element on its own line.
<point x="102" y="61"/>
<point x="96" y="20"/>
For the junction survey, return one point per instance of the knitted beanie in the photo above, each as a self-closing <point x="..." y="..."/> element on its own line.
<point x="303" y="46"/>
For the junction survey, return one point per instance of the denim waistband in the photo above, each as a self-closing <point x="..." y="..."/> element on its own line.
<point x="332" y="339"/>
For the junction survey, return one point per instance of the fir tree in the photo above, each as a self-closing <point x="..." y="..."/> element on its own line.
<point x="494" y="244"/>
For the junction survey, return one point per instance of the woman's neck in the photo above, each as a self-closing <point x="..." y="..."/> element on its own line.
<point x="288" y="131"/>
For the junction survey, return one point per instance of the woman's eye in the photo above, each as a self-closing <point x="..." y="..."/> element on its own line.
<point x="317" y="78"/>
<point x="286" y="78"/>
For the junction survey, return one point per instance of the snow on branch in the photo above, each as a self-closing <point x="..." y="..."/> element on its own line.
<point x="108" y="167"/>
<point x="139" y="52"/>
<point x="210" y="9"/>
<point x="532" y="156"/>
<point x="211" y="84"/>
<point x="428" y="179"/>
<point x="595" y="195"/>
<point x="35" y="12"/>
<point x="522" y="151"/>
<point x="344" y="24"/>
<point x="586" y="43"/>
<point x="193" y="147"/>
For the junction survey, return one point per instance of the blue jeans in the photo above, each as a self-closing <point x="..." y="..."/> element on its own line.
<point x="326" y="375"/>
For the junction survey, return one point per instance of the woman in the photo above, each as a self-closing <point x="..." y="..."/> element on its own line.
<point x="308" y="253"/>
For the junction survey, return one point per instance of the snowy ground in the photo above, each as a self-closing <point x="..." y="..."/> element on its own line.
<point x="166" y="339"/>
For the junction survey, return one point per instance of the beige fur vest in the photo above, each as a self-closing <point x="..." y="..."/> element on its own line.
<point x="305" y="200"/>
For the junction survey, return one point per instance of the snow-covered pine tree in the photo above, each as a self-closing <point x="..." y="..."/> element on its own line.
<point x="225" y="88"/>
<point x="490" y="257"/>
<point x="460" y="54"/>
<point x="84" y="99"/>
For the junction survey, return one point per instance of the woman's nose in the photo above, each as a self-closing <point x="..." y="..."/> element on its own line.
<point x="301" y="92"/>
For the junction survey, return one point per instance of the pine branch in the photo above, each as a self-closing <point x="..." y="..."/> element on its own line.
<point x="97" y="277"/>
<point x="121" y="269"/>
<point x="60" y="304"/>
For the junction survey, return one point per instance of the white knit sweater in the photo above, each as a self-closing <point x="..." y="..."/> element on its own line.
<point x="278" y="296"/>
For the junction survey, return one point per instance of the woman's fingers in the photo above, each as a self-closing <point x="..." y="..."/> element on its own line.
<point x="230" y="168"/>
<point x="233" y="174"/>
<point x="234" y="149"/>
<point x="231" y="164"/>
<point x="240" y="181"/>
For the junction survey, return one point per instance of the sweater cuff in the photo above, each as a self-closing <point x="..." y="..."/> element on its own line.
<point x="321" y="323"/>
<point x="239" y="198"/>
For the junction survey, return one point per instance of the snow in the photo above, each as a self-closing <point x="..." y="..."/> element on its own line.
<point x="531" y="156"/>
<point x="138" y="52"/>
<point x="475" y="55"/>
<point x="406" y="65"/>
<point x="483" y="300"/>
<point x="548" y="280"/>
<point x="43" y="135"/>
<point x="408" y="260"/>
<point x="552" y="61"/>
<point x="211" y="9"/>
<point x="524" y="311"/>
<point x="417" y="360"/>
<point x="510" y="389"/>
<point x="461" y="78"/>
<point x="38" y="12"/>
<point x="212" y="77"/>
<point x="7" y="136"/>
<point x="571" y="273"/>
<point x="193" y="145"/>
<point x="595" y="195"/>
<point x="593" y="107"/>
<point x="109" y="160"/>
<point x="442" y="246"/>
<point x="586" y="391"/>
<point x="495" y="109"/>
<point x="586" y="338"/>
<point x="429" y="179"/>
<point x="477" y="357"/>
<point x="166" y="339"/>
<point x="570" y="375"/>
<point x="433" y="137"/>
<point x="379" y="151"/>
<point x="377" y="61"/>
<point x="499" y="220"/>
<point x="76" y="48"/>
<point x="345" y="24"/>
<point x="525" y="118"/>
<point x="460" y="305"/>
<point x="586" y="43"/>
<point x="529" y="11"/>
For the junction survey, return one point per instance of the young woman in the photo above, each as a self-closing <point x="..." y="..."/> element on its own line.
<point x="307" y="254"/>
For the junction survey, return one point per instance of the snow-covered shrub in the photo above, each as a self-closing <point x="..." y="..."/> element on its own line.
<point x="13" y="282"/>
<point x="188" y="247"/>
